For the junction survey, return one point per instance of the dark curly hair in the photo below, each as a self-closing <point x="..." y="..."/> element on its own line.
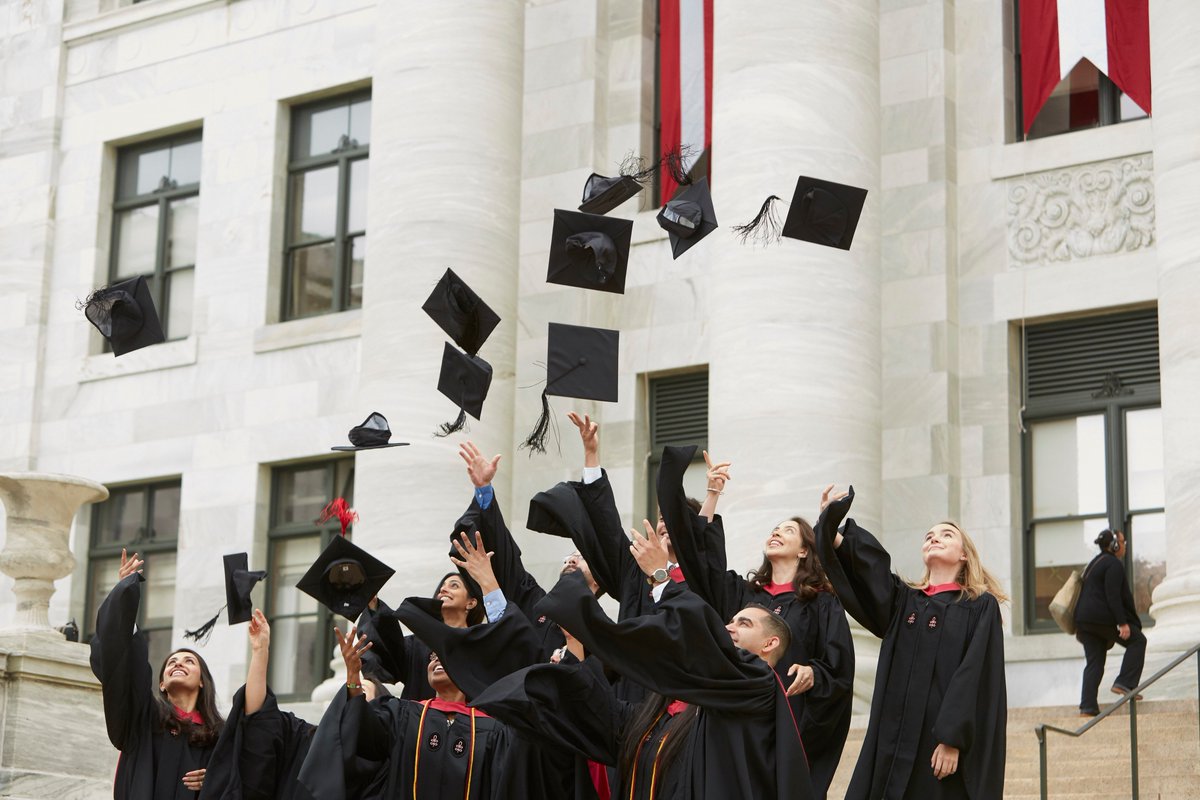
<point x="810" y="577"/>
<point x="204" y="735"/>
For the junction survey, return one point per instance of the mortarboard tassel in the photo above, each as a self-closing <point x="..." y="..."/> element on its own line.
<point x="447" y="428"/>
<point x="676" y="163"/>
<point x="338" y="507"/>
<point x="765" y="227"/>
<point x="535" y="442"/>
<point x="200" y="635"/>
<point x="634" y="166"/>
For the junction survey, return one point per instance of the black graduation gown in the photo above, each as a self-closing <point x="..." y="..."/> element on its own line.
<point x="476" y="657"/>
<point x="412" y="742"/>
<point x="820" y="633"/>
<point x="153" y="761"/>
<point x="940" y="677"/>
<point x="395" y="657"/>
<point x="519" y="586"/>
<point x="744" y="742"/>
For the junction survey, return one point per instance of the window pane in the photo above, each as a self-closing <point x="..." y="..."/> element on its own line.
<point x="300" y="639"/>
<point x="137" y="241"/>
<point x="301" y="494"/>
<point x="360" y="122"/>
<point x="290" y="559"/>
<point x="1068" y="467"/>
<point x="326" y="129"/>
<point x="181" y="235"/>
<point x="1147" y="537"/>
<point x="185" y="163"/>
<point x="158" y="594"/>
<point x="1074" y="103"/>
<point x="312" y="271"/>
<point x="314" y="195"/>
<point x="151" y="167"/>
<point x="358" y="254"/>
<point x="158" y="642"/>
<point x="356" y="219"/>
<point x="121" y="518"/>
<point x="166" y="514"/>
<point x="1129" y="109"/>
<point x="104" y="578"/>
<point x="1144" y="458"/>
<point x="179" y="303"/>
<point x="1060" y="547"/>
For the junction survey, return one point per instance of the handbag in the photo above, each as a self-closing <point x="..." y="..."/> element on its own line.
<point x="1062" y="607"/>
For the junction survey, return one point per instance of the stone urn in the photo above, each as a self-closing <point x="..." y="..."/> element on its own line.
<point x="37" y="551"/>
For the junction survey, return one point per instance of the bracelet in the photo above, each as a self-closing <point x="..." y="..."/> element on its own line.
<point x="715" y="491"/>
<point x="350" y="685"/>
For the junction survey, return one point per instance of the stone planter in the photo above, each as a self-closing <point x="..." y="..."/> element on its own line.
<point x="37" y="552"/>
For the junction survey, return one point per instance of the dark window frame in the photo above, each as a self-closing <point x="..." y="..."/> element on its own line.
<point x="285" y="532"/>
<point x="654" y="385"/>
<point x="343" y="157"/>
<point x="166" y="193"/>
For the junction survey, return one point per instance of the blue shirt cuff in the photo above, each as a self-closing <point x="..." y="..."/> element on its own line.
<point x="494" y="604"/>
<point x="484" y="495"/>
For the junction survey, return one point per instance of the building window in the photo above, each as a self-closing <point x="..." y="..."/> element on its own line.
<point x="1093" y="453"/>
<point x="142" y="519"/>
<point x="300" y="626"/>
<point x="678" y="407"/>
<point x="683" y="64"/>
<point x="154" y="224"/>
<point x="326" y="239"/>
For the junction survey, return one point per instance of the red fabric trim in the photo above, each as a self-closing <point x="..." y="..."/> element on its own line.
<point x="1039" y="56"/>
<point x="599" y="775"/>
<point x="670" y="112"/>
<point x="1128" y="29"/>
<point x="676" y="574"/>
<point x="776" y="589"/>
<point x="676" y="707"/>
<point x="450" y="707"/>
<point x="791" y="714"/>
<point x="931" y="590"/>
<point x="188" y="716"/>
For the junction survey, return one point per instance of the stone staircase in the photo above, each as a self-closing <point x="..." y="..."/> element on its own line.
<point x="1094" y="766"/>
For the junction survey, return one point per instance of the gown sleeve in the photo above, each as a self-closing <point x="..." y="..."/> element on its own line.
<point x="832" y="665"/>
<point x="272" y="740"/>
<point x="610" y="546"/>
<point x="682" y="652"/>
<point x="560" y="511"/>
<point x="348" y="749"/>
<point x="518" y="585"/>
<point x="390" y="658"/>
<point x="121" y="662"/>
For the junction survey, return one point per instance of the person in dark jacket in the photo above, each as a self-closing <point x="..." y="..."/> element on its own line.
<point x="1104" y="616"/>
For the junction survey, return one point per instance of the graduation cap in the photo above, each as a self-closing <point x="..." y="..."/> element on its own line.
<point x="602" y="194"/>
<point x="464" y="379"/>
<point x="688" y="217"/>
<point x="124" y="314"/>
<point x="373" y="434"/>
<point x="589" y="251"/>
<point x="239" y="582"/>
<point x="344" y="577"/>
<point x="822" y="212"/>
<point x="580" y="362"/>
<point x="461" y="313"/>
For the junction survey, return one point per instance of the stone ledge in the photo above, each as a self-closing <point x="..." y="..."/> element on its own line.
<point x="1050" y="290"/>
<point x="311" y="330"/>
<point x="1070" y="149"/>
<point x="133" y="16"/>
<point x="180" y="353"/>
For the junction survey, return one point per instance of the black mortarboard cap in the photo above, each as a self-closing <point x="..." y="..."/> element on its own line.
<point x="602" y="194"/>
<point x="345" y="577"/>
<point x="688" y="217"/>
<point x="461" y="313"/>
<point x="580" y="362"/>
<point x="125" y="315"/>
<point x="373" y="434"/>
<point x="465" y="380"/>
<point x="239" y="582"/>
<point x="589" y="251"/>
<point x="824" y="212"/>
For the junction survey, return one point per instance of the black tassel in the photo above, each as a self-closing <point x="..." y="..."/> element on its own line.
<point x="675" y="162"/>
<point x="447" y="428"/>
<point x="765" y="227"/>
<point x="200" y="635"/>
<point x="634" y="166"/>
<point x="535" y="442"/>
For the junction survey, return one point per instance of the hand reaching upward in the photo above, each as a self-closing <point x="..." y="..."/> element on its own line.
<point x="479" y="468"/>
<point x="589" y="434"/>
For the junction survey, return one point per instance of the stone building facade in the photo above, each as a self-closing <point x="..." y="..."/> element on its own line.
<point x="899" y="366"/>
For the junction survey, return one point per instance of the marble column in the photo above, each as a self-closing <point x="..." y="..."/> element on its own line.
<point x="1175" y="66"/>
<point x="795" y="327"/>
<point x="445" y="191"/>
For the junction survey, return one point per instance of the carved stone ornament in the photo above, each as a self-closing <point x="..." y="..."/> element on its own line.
<point x="1091" y="210"/>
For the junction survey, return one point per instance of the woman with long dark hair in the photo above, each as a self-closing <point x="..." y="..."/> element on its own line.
<point x="818" y="666"/>
<point x="164" y="724"/>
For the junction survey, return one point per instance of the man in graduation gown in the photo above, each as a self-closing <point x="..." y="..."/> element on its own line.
<point x="940" y="679"/>
<point x="820" y="634"/>
<point x="742" y="741"/>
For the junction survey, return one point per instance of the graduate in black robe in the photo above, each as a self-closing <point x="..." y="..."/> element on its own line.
<point x="740" y="739"/>
<point x="818" y="667"/>
<point x="938" y="715"/>
<point x="429" y="750"/>
<point x="165" y="731"/>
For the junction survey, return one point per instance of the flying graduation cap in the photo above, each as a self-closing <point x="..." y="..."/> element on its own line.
<point x="372" y="434"/>
<point x="464" y="380"/>
<point x="688" y="217"/>
<point x="124" y="314"/>
<point x="239" y="582"/>
<point x="581" y="362"/>
<point x="344" y="577"/>
<point x="589" y="251"/>
<point x="464" y="377"/>
<point x="822" y="212"/>
<point x="602" y="194"/>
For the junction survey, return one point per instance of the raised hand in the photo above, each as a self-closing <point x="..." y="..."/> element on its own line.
<point x="718" y="473"/>
<point x="650" y="552"/>
<point x="352" y="647"/>
<point x="805" y="679"/>
<point x="589" y="434"/>
<point x="259" y="631"/>
<point x="479" y="468"/>
<point x="829" y="496"/>
<point x="194" y="780"/>
<point x="129" y="565"/>
<point x="476" y="560"/>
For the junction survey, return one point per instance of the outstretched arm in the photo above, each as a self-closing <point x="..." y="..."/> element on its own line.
<point x="260" y="655"/>
<point x="119" y="659"/>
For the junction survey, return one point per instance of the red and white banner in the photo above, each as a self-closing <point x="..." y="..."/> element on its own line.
<point x="685" y="46"/>
<point x="1056" y="34"/>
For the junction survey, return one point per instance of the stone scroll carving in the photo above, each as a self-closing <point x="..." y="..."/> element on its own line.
<point x="1091" y="210"/>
